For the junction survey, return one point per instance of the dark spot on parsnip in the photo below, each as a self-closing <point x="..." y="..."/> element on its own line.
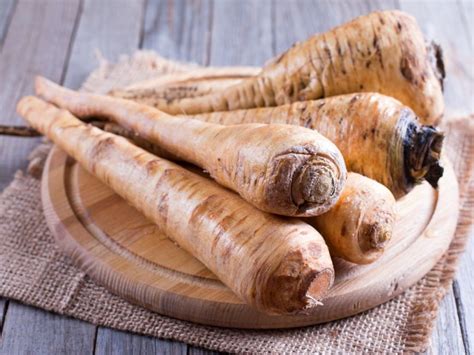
<point x="353" y="100"/>
<point x="406" y="68"/>
<point x="398" y="27"/>
<point x="344" y="230"/>
<point x="339" y="50"/>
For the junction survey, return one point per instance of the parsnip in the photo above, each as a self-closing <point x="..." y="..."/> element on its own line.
<point x="283" y="169"/>
<point x="381" y="52"/>
<point x="360" y="225"/>
<point x="277" y="265"/>
<point x="196" y="82"/>
<point x="378" y="136"/>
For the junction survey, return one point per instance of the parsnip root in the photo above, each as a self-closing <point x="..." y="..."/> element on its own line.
<point x="381" y="52"/>
<point x="279" y="266"/>
<point x="282" y="169"/>
<point x="378" y="136"/>
<point x="360" y="225"/>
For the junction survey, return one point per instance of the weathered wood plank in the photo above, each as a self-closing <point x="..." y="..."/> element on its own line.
<point x="467" y="13"/>
<point x="203" y="59"/>
<point x="446" y="337"/>
<point x="309" y="17"/>
<point x="443" y="22"/>
<point x="464" y="283"/>
<point x="199" y="351"/>
<point x="3" y="309"/>
<point x="110" y="341"/>
<point x="464" y="291"/>
<point x="303" y="26"/>
<point x="30" y="330"/>
<point x="6" y="11"/>
<point x="242" y="32"/>
<point x="178" y="29"/>
<point x="450" y="24"/>
<point x="36" y="43"/>
<point x="119" y="34"/>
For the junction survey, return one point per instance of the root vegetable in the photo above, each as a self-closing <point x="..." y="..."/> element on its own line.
<point x="197" y="82"/>
<point x="277" y="265"/>
<point x="378" y="136"/>
<point x="283" y="169"/>
<point x="359" y="226"/>
<point x="381" y="52"/>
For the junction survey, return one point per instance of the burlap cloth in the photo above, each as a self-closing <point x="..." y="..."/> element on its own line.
<point x="35" y="272"/>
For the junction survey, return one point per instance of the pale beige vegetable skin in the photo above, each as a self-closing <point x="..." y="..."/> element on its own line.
<point x="381" y="52"/>
<point x="283" y="169"/>
<point x="378" y="136"/>
<point x="360" y="225"/>
<point x="278" y="265"/>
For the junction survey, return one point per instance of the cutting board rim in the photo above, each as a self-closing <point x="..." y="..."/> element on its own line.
<point x="66" y="226"/>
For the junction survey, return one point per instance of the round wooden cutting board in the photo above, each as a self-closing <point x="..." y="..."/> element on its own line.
<point x="126" y="253"/>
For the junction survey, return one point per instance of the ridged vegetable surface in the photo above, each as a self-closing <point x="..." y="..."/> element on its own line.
<point x="278" y="265"/>
<point x="360" y="225"/>
<point x="283" y="169"/>
<point x="381" y="52"/>
<point x="378" y="136"/>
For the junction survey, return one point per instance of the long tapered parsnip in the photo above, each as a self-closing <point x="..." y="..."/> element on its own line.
<point x="359" y="226"/>
<point x="282" y="169"/>
<point x="381" y="52"/>
<point x="378" y="136"/>
<point x="276" y="265"/>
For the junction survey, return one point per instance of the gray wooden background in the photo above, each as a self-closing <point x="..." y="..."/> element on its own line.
<point x="59" y="39"/>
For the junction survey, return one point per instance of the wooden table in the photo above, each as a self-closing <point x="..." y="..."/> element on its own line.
<point x="60" y="39"/>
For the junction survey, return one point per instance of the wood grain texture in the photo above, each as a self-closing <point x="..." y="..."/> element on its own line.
<point x="199" y="351"/>
<point x="6" y="12"/>
<point x="450" y="24"/>
<point x="26" y="29"/>
<point x="443" y="22"/>
<point x="37" y="42"/>
<point x="118" y="35"/>
<point x="313" y="18"/>
<point x="242" y="33"/>
<point x="304" y="18"/>
<point x="466" y="8"/>
<point x="447" y="339"/>
<point x="463" y="292"/>
<point x="129" y="255"/>
<point x="464" y="301"/>
<point x="110" y="341"/>
<point x="3" y="309"/>
<point x="178" y="29"/>
<point x="30" y="330"/>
